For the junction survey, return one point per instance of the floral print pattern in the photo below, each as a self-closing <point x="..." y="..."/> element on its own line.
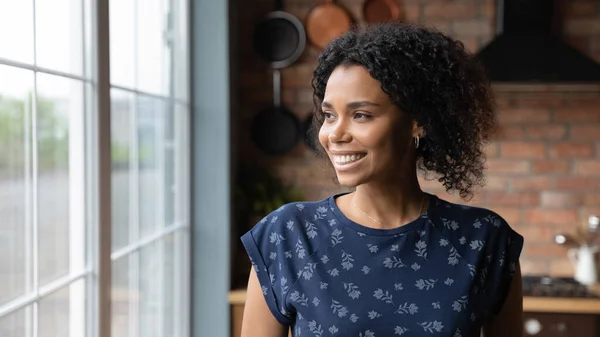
<point x="441" y="275"/>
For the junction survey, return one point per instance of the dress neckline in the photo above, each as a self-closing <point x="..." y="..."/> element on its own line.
<point x="411" y="226"/>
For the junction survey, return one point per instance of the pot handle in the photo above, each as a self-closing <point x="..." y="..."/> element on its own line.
<point x="276" y="88"/>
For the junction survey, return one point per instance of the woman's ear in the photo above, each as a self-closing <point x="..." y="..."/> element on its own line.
<point x="417" y="130"/>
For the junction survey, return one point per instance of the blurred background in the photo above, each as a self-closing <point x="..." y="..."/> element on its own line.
<point x="138" y="142"/>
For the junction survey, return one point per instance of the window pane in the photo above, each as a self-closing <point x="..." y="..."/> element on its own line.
<point x="158" y="288"/>
<point x="16" y="324"/>
<point x="59" y="111"/>
<point x="15" y="183"/>
<point x="170" y="188"/>
<point x="16" y="30"/>
<point x="122" y="43"/>
<point x="89" y="11"/>
<point x="151" y="296"/>
<point x="151" y="125"/>
<point x="169" y="122"/>
<point x="182" y="162"/>
<point x="181" y="281"/>
<point x="121" y="115"/>
<point x="63" y="312"/>
<point x="123" y="298"/>
<point x="153" y="52"/>
<point x="176" y="285"/>
<point x="170" y="165"/>
<point x="170" y="288"/>
<point x="181" y="68"/>
<point x="59" y="35"/>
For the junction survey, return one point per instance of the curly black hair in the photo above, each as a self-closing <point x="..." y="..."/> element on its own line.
<point x="433" y="78"/>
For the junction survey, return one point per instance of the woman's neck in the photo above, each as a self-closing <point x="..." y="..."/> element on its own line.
<point x="388" y="205"/>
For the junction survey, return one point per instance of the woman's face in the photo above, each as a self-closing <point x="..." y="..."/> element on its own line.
<point x="365" y="135"/>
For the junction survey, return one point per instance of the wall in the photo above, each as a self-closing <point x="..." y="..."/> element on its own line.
<point x="544" y="164"/>
<point x="210" y="128"/>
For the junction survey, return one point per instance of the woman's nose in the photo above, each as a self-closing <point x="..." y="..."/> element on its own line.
<point x="339" y="133"/>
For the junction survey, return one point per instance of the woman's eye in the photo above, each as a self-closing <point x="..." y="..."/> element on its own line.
<point x="359" y="115"/>
<point x="328" y="115"/>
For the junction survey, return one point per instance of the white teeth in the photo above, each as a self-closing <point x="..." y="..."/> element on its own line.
<point x="347" y="158"/>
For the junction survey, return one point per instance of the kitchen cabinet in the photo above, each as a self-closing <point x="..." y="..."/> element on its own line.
<point x="560" y="325"/>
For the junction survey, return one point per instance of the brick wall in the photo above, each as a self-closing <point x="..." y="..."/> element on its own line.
<point x="544" y="164"/>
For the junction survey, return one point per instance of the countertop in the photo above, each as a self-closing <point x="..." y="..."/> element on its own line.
<point x="530" y="304"/>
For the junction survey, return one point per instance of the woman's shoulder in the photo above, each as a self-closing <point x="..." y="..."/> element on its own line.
<point x="462" y="217"/>
<point x="301" y="223"/>
<point x="474" y="229"/>
<point x="281" y="244"/>
<point x="489" y="245"/>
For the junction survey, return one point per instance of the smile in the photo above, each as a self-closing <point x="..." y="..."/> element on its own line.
<point x="348" y="159"/>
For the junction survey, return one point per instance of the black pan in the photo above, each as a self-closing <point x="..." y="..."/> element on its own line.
<point x="280" y="38"/>
<point x="276" y="130"/>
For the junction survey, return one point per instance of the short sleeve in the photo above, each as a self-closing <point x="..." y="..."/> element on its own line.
<point x="504" y="250"/>
<point x="267" y="245"/>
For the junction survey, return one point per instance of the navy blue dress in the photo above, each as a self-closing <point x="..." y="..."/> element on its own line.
<point x="441" y="275"/>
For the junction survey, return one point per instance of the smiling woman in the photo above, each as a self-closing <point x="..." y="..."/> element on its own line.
<point x="360" y="121"/>
<point x="389" y="259"/>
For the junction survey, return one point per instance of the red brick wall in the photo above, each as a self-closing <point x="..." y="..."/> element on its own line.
<point x="544" y="164"/>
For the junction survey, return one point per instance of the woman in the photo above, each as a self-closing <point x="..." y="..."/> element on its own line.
<point x="389" y="259"/>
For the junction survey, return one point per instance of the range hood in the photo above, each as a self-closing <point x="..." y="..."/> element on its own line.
<point x="528" y="48"/>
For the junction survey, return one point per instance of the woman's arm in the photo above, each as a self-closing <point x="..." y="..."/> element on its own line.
<point x="509" y="321"/>
<point x="258" y="321"/>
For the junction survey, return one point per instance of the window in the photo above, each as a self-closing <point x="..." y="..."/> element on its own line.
<point x="48" y="156"/>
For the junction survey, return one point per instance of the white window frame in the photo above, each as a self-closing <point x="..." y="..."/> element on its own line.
<point x="92" y="204"/>
<point x="77" y="204"/>
<point x="180" y="226"/>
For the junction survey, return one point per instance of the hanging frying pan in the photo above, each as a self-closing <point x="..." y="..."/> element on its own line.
<point x="379" y="11"/>
<point x="276" y="130"/>
<point x="279" y="38"/>
<point x="325" y="22"/>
